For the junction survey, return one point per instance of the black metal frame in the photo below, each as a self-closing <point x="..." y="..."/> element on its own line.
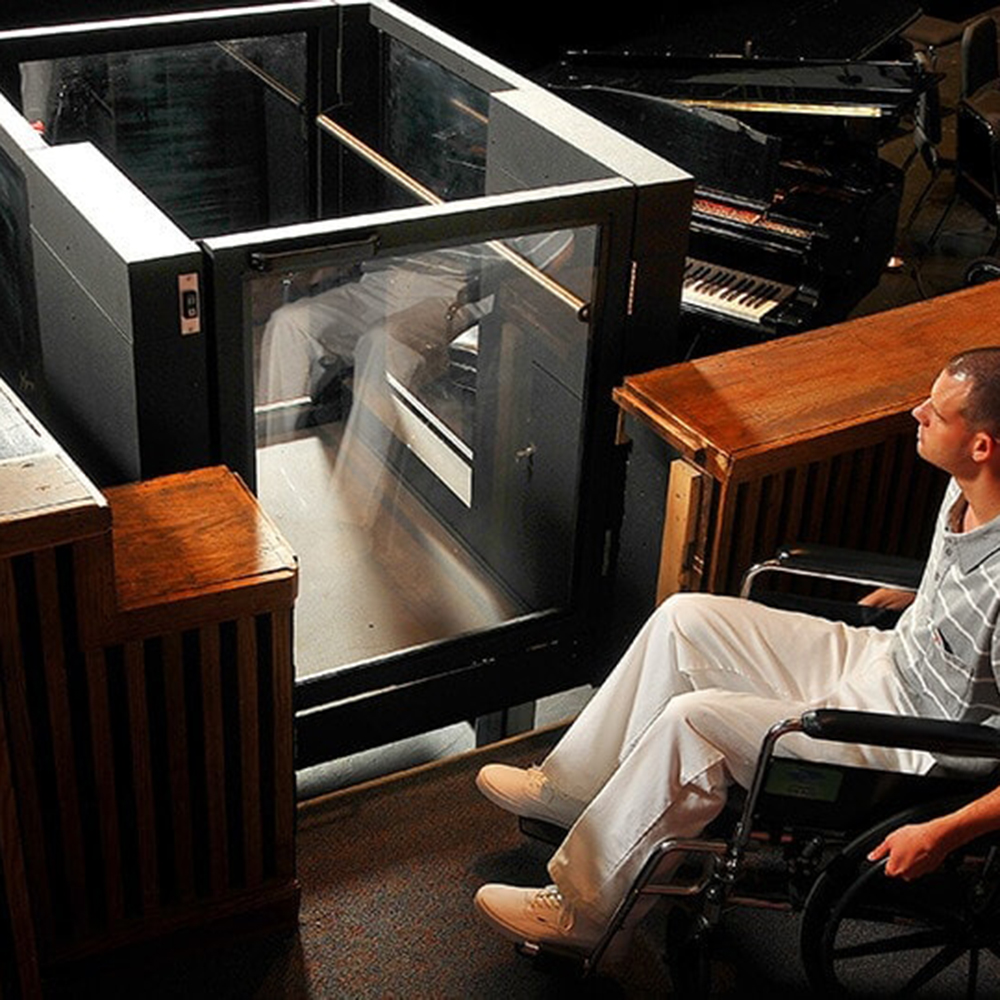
<point x="625" y="192"/>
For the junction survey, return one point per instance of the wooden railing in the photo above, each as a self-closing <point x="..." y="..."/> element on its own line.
<point x="146" y="772"/>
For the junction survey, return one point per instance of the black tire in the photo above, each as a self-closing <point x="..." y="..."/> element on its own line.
<point x="688" y="953"/>
<point x="866" y="934"/>
<point x="981" y="270"/>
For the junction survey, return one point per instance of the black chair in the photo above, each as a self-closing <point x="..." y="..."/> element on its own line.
<point x="927" y="34"/>
<point x="927" y="134"/>
<point x="981" y="270"/>
<point x="979" y="62"/>
<point x="977" y="162"/>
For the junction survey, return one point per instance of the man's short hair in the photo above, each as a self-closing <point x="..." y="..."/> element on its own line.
<point x="981" y="365"/>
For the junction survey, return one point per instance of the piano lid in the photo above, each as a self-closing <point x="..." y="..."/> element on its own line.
<point x="734" y="84"/>
<point x="722" y="153"/>
<point x="778" y="29"/>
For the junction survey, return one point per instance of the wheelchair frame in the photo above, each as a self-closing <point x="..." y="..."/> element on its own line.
<point x="802" y="813"/>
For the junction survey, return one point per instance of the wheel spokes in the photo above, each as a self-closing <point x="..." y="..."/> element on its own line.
<point x="892" y="944"/>
<point x="934" y="967"/>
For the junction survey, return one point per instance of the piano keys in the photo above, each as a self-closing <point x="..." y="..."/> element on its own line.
<point x="781" y="132"/>
<point x="726" y="291"/>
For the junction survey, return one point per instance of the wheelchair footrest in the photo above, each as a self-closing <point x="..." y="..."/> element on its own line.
<point x="538" y="829"/>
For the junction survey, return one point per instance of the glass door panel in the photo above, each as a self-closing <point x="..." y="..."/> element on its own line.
<point x="418" y="438"/>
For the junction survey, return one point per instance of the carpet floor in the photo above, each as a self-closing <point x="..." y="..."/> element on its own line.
<point x="388" y="870"/>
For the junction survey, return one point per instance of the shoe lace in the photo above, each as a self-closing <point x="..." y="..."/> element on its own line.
<point x="549" y="907"/>
<point x="536" y="779"/>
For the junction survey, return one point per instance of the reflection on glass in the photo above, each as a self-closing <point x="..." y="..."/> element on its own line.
<point x="20" y="349"/>
<point x="437" y="125"/>
<point x="418" y="424"/>
<point x="210" y="132"/>
<point x="426" y="143"/>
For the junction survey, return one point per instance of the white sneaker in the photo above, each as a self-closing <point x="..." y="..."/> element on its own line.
<point x="526" y="792"/>
<point x="540" y="916"/>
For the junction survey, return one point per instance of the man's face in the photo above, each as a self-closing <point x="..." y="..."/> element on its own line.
<point x="943" y="436"/>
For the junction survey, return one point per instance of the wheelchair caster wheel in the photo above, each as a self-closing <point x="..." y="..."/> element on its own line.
<point x="687" y="953"/>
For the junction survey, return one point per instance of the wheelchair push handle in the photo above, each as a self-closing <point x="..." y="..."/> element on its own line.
<point x="937" y="736"/>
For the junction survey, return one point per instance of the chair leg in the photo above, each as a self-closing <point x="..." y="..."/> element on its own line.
<point x="944" y="215"/>
<point x="919" y="203"/>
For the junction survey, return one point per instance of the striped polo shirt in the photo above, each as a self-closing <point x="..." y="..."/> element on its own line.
<point x="946" y="645"/>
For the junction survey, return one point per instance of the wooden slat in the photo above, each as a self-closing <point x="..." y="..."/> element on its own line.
<point x="864" y="475"/>
<point x="743" y="536"/>
<point x="818" y="494"/>
<point x="250" y="748"/>
<point x="15" y="877"/>
<point x="680" y="528"/>
<point x="799" y="476"/>
<point x="720" y="538"/>
<point x="771" y="523"/>
<point x="284" y="762"/>
<point x="213" y="727"/>
<point x="61" y="729"/>
<point x="178" y="760"/>
<point x="142" y="775"/>
<point x="105" y="783"/>
<point x="22" y="751"/>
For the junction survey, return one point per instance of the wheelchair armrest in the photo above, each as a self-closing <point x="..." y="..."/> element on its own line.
<point x="937" y="736"/>
<point x="833" y="563"/>
<point x="902" y="572"/>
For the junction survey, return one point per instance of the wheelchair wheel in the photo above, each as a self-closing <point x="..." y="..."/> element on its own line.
<point x="865" y="934"/>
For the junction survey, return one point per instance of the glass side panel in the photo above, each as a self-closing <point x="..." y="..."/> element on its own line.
<point x="419" y="425"/>
<point x="213" y="132"/>
<point x="427" y="135"/>
<point x="20" y="347"/>
<point x="437" y="124"/>
<point x="219" y="119"/>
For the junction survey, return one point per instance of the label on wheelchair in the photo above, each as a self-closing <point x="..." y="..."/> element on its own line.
<point x="795" y="779"/>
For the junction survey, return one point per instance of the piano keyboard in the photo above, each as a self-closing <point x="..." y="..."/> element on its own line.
<point x="729" y="292"/>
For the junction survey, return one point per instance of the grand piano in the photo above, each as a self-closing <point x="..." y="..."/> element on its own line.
<point x="780" y="120"/>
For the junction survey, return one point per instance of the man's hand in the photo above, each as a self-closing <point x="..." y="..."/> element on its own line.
<point x="886" y="597"/>
<point x="919" y="848"/>
<point x="914" y="850"/>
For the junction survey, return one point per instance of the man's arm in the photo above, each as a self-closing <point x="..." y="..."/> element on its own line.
<point x="887" y="597"/>
<point x="919" y="848"/>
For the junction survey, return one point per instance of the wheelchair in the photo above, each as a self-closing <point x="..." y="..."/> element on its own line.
<point x="798" y="839"/>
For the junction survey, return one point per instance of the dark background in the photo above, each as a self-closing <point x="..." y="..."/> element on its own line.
<point x="517" y="34"/>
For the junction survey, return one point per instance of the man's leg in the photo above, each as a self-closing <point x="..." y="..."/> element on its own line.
<point x="299" y="335"/>
<point x="674" y="780"/>
<point x="682" y="715"/>
<point x="697" y="641"/>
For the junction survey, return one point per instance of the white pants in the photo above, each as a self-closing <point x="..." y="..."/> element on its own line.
<point x="299" y="335"/>
<point x="683" y="715"/>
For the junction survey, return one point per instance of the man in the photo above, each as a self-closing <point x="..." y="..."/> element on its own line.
<point x="419" y="303"/>
<point x="683" y="714"/>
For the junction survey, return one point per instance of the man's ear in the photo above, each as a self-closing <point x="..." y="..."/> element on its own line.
<point x="984" y="447"/>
